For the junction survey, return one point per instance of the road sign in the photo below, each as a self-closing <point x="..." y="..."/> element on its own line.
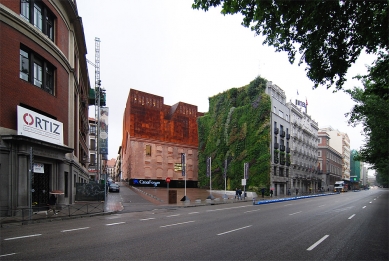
<point x="177" y="167"/>
<point x="167" y="180"/>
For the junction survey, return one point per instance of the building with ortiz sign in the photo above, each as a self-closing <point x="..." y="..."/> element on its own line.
<point x="44" y="106"/>
<point x="155" y="136"/>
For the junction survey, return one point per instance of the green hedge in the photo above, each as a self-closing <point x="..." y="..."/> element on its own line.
<point x="237" y="128"/>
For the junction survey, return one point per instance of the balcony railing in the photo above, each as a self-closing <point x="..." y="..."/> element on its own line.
<point x="276" y="130"/>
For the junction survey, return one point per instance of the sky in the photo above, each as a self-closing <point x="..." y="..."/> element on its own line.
<point x="166" y="48"/>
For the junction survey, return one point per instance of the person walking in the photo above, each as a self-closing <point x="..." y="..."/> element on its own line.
<point x="236" y="193"/>
<point x="240" y="193"/>
<point x="263" y="192"/>
<point x="271" y="193"/>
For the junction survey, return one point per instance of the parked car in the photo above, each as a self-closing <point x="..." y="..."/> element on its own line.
<point x="114" y="187"/>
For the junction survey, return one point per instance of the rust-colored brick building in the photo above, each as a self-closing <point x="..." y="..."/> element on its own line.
<point x="154" y="136"/>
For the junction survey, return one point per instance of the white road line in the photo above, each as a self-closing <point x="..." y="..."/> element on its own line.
<point x="317" y="243"/>
<point x="176" y="215"/>
<point x="112" y="224"/>
<point x="11" y="254"/>
<point x="364" y="206"/>
<point x="81" y="228"/>
<point x="351" y="216"/>
<point x="233" y="230"/>
<point x="370" y="202"/>
<point x="295" y="213"/>
<point x="145" y="219"/>
<point x="191" y="213"/>
<point x="251" y="210"/>
<point x="176" y="224"/>
<point x="12" y="238"/>
<point x="218" y="209"/>
<point x="287" y="205"/>
<point x="321" y="206"/>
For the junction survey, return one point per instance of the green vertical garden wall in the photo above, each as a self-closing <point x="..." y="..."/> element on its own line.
<point x="236" y="128"/>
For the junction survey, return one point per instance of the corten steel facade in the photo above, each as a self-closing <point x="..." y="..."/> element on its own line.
<point x="154" y="136"/>
<point x="44" y="71"/>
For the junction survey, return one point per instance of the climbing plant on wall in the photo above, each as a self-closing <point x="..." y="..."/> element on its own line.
<point x="237" y="128"/>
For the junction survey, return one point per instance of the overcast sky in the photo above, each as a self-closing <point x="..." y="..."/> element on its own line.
<point x="168" y="49"/>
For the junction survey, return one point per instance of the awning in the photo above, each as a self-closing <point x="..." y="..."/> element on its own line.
<point x="57" y="192"/>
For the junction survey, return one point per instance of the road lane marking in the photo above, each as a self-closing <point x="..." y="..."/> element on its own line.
<point x="10" y="254"/>
<point x="321" y="206"/>
<point x="317" y="243"/>
<point x="176" y="215"/>
<point x="295" y="213"/>
<point x="75" y="229"/>
<point x="287" y="205"/>
<point x="145" y="219"/>
<point x="251" y="210"/>
<point x="364" y="206"/>
<point x="370" y="202"/>
<point x="218" y="209"/>
<point x="191" y="213"/>
<point x="112" y="224"/>
<point x="351" y="216"/>
<point x="176" y="224"/>
<point x="12" y="238"/>
<point x="233" y="230"/>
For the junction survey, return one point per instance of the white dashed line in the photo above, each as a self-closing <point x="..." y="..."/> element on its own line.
<point x="12" y="238"/>
<point x="176" y="224"/>
<point x="11" y="254"/>
<point x="75" y="229"/>
<point x="351" y="216"/>
<point x="112" y="224"/>
<point x="145" y="219"/>
<point x="233" y="230"/>
<point x="317" y="243"/>
<point x="364" y="206"/>
<point x="176" y="215"/>
<point x="191" y="213"/>
<point x="295" y="213"/>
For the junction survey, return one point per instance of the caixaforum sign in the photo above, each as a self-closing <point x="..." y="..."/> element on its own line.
<point x="38" y="126"/>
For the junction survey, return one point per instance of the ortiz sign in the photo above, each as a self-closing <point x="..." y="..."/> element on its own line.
<point x="38" y="126"/>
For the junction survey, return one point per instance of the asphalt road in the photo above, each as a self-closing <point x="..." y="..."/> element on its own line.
<point x="349" y="226"/>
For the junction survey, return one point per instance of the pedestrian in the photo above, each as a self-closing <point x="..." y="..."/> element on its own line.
<point x="240" y="193"/>
<point x="288" y="192"/>
<point x="52" y="203"/>
<point x="236" y="193"/>
<point x="263" y="192"/>
<point x="271" y="193"/>
<point x="297" y="191"/>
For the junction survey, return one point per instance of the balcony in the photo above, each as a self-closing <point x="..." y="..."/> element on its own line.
<point x="282" y="147"/>
<point x="276" y="130"/>
<point x="282" y="134"/>
<point x="288" y="136"/>
<point x="287" y="150"/>
<point x="276" y="146"/>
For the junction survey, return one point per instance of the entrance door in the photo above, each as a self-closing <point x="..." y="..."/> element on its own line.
<point x="40" y="186"/>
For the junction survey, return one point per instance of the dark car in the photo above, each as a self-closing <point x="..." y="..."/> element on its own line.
<point x="113" y="187"/>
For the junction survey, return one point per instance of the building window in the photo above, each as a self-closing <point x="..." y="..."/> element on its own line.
<point x="319" y="153"/>
<point x="43" y="71"/>
<point x="287" y="117"/>
<point x="36" y="13"/>
<point x="148" y="150"/>
<point x="281" y="114"/>
<point x="275" y="109"/>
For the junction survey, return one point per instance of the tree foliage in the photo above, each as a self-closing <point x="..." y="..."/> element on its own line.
<point x="329" y="35"/>
<point x="372" y="111"/>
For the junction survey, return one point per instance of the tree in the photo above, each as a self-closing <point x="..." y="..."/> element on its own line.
<point x="329" y="35"/>
<point x="372" y="111"/>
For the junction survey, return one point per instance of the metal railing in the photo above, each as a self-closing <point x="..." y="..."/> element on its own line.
<point x="35" y="214"/>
